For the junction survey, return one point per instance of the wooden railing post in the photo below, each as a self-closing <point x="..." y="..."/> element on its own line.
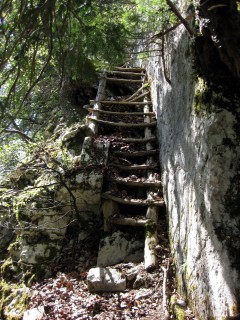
<point x="93" y="126"/>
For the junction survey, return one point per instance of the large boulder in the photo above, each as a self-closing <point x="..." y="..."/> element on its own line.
<point x="34" y="314"/>
<point x="105" y="279"/>
<point x="118" y="247"/>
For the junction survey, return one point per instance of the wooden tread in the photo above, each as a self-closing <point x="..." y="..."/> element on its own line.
<point x="135" y="167"/>
<point x="135" y="140"/>
<point x="129" y="69"/>
<point x="122" y="113"/>
<point x="134" y="222"/>
<point x="124" y="124"/>
<point x="135" y="153"/>
<point x="123" y="80"/>
<point x="126" y="73"/>
<point x="137" y="182"/>
<point x="133" y="202"/>
<point x="127" y="103"/>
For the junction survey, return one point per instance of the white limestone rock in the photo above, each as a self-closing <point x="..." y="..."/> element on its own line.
<point x="117" y="248"/>
<point x="34" y="314"/>
<point x="132" y="273"/>
<point x="106" y="280"/>
<point x="199" y="156"/>
<point x="33" y="253"/>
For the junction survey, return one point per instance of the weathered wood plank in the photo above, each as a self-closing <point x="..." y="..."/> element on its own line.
<point x="123" y="80"/>
<point x="126" y="73"/>
<point x="127" y="103"/>
<point x="122" y="113"/>
<point x="136" y="140"/>
<point x="135" y="167"/>
<point x="140" y="183"/>
<point x="134" y="222"/>
<point x="123" y="124"/>
<point x="139" y="97"/>
<point x="135" y="153"/>
<point x="133" y="202"/>
<point x="129" y="69"/>
<point x="139" y="91"/>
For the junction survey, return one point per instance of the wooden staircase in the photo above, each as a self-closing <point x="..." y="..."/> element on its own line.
<point x="132" y="194"/>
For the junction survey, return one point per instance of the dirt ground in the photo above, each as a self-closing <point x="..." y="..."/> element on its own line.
<point x="66" y="296"/>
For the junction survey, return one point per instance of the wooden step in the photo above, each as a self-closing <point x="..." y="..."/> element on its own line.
<point x="124" y="124"/>
<point x="136" y="140"/>
<point x="123" y="80"/>
<point x="122" y="113"/>
<point x="129" y="69"/>
<point x="138" y="182"/>
<point x="133" y="202"/>
<point x="135" y="167"/>
<point x="126" y="73"/>
<point x="124" y="221"/>
<point x="127" y="103"/>
<point x="135" y="153"/>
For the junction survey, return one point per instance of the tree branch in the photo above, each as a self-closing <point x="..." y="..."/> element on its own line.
<point x="175" y="26"/>
<point x="180" y="17"/>
<point x="22" y="134"/>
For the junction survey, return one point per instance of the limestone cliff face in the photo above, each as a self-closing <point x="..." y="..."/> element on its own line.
<point x="55" y="195"/>
<point x="199" y="155"/>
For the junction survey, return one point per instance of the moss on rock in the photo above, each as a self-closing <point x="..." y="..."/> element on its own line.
<point x="14" y="300"/>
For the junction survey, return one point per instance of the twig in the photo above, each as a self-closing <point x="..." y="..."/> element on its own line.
<point x="175" y="26"/>
<point x="73" y="198"/>
<point x="165" y="305"/>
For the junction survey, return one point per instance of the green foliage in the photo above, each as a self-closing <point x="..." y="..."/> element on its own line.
<point x="200" y="90"/>
<point x="44" y="43"/>
<point x="155" y="15"/>
<point x="11" y="152"/>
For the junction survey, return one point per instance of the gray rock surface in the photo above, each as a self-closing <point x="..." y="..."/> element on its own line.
<point x="117" y="248"/>
<point x="34" y="314"/>
<point x="105" y="279"/>
<point x="199" y="156"/>
<point x="132" y="273"/>
<point x="139" y="282"/>
<point x="42" y="244"/>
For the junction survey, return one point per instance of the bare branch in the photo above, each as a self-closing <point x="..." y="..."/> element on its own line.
<point x="175" y="26"/>
<point x="22" y="134"/>
<point x="180" y="17"/>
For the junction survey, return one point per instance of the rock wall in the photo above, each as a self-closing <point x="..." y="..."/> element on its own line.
<point x="53" y="198"/>
<point x="199" y="155"/>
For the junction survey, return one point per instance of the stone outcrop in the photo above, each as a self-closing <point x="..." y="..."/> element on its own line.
<point x="118" y="248"/>
<point x="34" y="314"/>
<point x="63" y="191"/>
<point x="105" y="279"/>
<point x="199" y="154"/>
